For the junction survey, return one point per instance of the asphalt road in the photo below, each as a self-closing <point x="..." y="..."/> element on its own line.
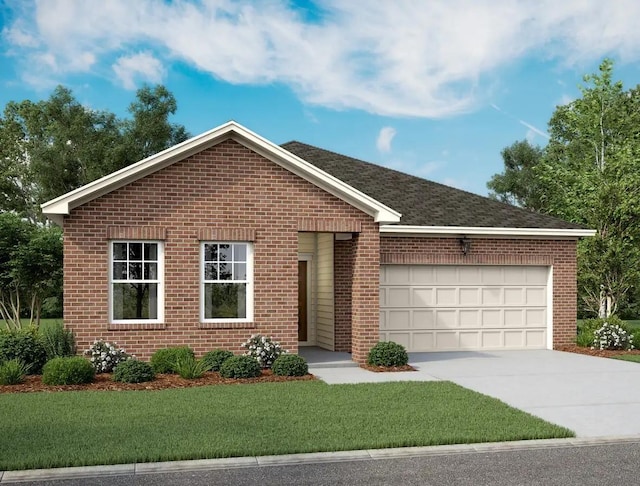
<point x="617" y="464"/>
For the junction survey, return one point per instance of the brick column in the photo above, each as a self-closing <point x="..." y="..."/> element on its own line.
<point x="343" y="285"/>
<point x="365" y="294"/>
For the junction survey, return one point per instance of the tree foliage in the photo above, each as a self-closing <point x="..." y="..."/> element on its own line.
<point x="589" y="173"/>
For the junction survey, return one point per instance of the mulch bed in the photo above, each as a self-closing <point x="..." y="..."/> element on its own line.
<point x="387" y="369"/>
<point x="104" y="382"/>
<point x="603" y="353"/>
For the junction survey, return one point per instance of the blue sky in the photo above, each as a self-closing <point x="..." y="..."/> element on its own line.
<point x="432" y="88"/>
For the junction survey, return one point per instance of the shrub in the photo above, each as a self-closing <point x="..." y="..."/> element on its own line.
<point x="57" y="341"/>
<point x="190" y="368"/>
<point x="68" y="371"/>
<point x="12" y="372"/>
<point x="388" y="353"/>
<point x="290" y="365"/>
<point x="213" y="359"/>
<point x="263" y="349"/>
<point x="240" y="367"/>
<point x="25" y="345"/>
<point x="612" y="336"/>
<point x="133" y="371"/>
<point x="106" y="356"/>
<point x="586" y="328"/>
<point x="164" y="360"/>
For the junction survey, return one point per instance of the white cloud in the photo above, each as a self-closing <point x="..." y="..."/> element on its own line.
<point x="401" y="58"/>
<point x="142" y="65"/>
<point x="385" y="137"/>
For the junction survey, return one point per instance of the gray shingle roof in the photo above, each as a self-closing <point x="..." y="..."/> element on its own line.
<point x="422" y="202"/>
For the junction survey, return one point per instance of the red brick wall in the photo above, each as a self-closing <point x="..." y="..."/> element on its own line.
<point x="561" y="254"/>
<point x="228" y="191"/>
<point x="343" y="285"/>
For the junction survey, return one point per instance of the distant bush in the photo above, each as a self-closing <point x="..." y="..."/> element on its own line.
<point x="263" y="349"/>
<point x="106" y="356"/>
<point x="213" y="359"/>
<point x="164" y="360"/>
<point x="12" y="372"/>
<point x="25" y="345"/>
<point x="57" y="341"/>
<point x="68" y="371"/>
<point x="240" y="367"/>
<point x="133" y="371"/>
<point x="290" y="365"/>
<point x="388" y="353"/>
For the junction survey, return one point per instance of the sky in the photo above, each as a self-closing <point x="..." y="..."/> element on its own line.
<point x="434" y="88"/>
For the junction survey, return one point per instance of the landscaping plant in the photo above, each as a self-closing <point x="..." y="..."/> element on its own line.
<point x="240" y="367"/>
<point x="388" y="353"/>
<point x="263" y="349"/>
<point x="74" y="370"/>
<point x="106" y="356"/>
<point x="133" y="371"/>
<point x="164" y="360"/>
<point x="612" y="336"/>
<point x="12" y="372"/>
<point x="214" y="359"/>
<point x="57" y="341"/>
<point x="190" y="368"/>
<point x="290" y="365"/>
<point x="25" y="345"/>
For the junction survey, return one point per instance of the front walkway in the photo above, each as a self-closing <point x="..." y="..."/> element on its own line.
<point x="594" y="397"/>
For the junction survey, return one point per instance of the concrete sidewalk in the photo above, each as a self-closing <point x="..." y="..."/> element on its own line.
<point x="592" y="396"/>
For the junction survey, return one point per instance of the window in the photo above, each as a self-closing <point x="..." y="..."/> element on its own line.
<point x="227" y="282"/>
<point x="136" y="282"/>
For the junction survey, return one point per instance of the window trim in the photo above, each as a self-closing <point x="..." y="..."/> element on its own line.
<point x="160" y="283"/>
<point x="249" y="284"/>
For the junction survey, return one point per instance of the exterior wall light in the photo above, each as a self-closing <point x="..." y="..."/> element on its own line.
<point x="465" y="245"/>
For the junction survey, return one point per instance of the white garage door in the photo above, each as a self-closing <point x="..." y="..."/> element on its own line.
<point x="449" y="307"/>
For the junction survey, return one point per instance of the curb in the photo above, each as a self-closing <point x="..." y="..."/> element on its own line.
<point x="81" y="472"/>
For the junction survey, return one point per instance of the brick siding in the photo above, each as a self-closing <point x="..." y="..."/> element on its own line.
<point x="226" y="192"/>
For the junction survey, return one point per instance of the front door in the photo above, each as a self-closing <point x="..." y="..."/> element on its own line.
<point x="302" y="301"/>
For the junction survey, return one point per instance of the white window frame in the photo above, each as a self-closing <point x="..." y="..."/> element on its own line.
<point x="248" y="282"/>
<point x="159" y="281"/>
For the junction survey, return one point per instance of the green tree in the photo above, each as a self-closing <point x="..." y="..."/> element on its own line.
<point x="518" y="184"/>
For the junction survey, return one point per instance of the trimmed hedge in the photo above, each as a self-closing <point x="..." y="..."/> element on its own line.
<point x="290" y="365"/>
<point x="133" y="371"/>
<point x="164" y="360"/>
<point x="68" y="371"/>
<point x="213" y="360"/>
<point x="240" y="367"/>
<point x="388" y="353"/>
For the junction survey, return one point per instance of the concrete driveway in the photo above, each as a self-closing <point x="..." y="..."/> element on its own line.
<point x="591" y="396"/>
<point x="594" y="397"/>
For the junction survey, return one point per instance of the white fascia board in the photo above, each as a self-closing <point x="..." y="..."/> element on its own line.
<point x="58" y="207"/>
<point x="391" y="230"/>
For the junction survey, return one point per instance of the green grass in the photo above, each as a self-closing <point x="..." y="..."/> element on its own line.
<point x="42" y="430"/>
<point x="25" y="322"/>
<point x="628" y="357"/>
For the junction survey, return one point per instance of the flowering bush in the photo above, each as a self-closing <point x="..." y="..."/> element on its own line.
<point x="612" y="336"/>
<point x="105" y="356"/>
<point x="263" y="349"/>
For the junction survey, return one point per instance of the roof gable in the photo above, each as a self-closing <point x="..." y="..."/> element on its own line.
<point x="60" y="206"/>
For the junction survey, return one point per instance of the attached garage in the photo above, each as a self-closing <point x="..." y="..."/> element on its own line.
<point x="466" y="307"/>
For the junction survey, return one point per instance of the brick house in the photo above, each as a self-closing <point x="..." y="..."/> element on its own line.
<point x="228" y="235"/>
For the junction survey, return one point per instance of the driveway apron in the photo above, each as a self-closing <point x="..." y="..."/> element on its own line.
<point x="592" y="396"/>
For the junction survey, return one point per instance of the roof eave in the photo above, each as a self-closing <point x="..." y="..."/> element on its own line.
<point x="407" y="230"/>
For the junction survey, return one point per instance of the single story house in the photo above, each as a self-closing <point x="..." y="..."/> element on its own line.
<point x="227" y="235"/>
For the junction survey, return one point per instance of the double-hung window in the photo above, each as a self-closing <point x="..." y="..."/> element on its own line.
<point x="226" y="282"/>
<point x="136" y="282"/>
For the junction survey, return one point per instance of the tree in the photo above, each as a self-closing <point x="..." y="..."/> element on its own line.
<point x="589" y="173"/>
<point x="518" y="185"/>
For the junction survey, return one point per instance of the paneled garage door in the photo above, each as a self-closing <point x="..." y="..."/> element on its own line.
<point x="448" y="307"/>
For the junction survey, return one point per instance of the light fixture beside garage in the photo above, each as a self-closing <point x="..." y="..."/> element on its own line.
<point x="465" y="245"/>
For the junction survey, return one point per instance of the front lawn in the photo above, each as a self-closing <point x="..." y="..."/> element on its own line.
<point x="42" y="430"/>
<point x="628" y="357"/>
